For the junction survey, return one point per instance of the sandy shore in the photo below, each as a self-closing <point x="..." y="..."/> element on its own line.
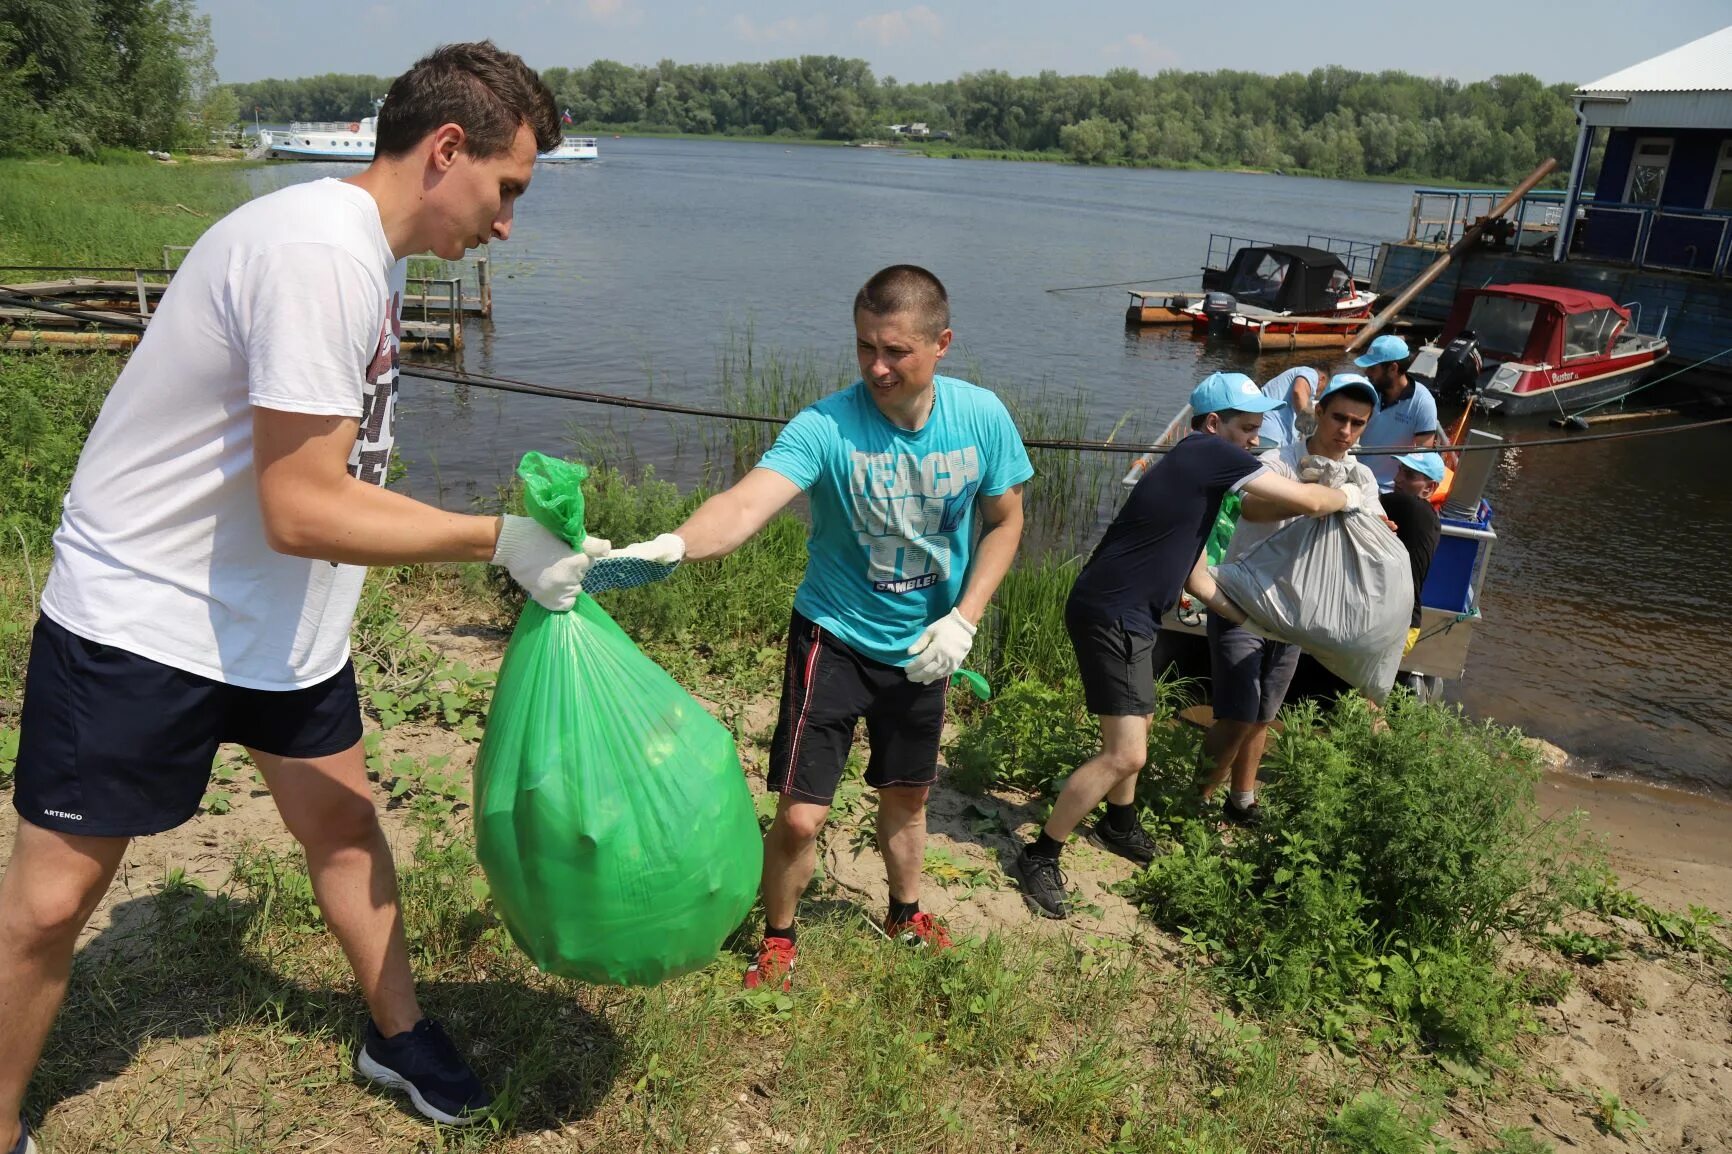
<point x="1673" y="848"/>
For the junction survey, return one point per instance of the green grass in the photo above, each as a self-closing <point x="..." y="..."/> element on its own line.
<point x="70" y="211"/>
<point x="1000" y="1042"/>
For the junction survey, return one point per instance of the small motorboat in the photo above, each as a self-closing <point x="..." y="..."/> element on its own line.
<point x="1518" y="349"/>
<point x="1267" y="295"/>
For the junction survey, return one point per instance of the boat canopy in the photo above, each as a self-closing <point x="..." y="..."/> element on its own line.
<point x="1288" y="278"/>
<point x="1537" y="323"/>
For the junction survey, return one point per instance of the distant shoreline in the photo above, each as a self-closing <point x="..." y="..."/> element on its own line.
<point x="951" y="151"/>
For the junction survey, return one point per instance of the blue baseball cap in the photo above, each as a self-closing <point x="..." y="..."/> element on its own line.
<point x="1355" y="383"/>
<point x="1223" y="392"/>
<point x="1383" y="350"/>
<point x="1427" y="465"/>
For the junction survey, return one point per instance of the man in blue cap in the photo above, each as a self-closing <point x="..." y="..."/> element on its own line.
<point x="1408" y="413"/>
<point x="1248" y="673"/>
<point x="1151" y="551"/>
<point x="1408" y="506"/>
<point x="1296" y="389"/>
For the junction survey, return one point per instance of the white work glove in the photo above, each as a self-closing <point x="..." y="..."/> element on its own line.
<point x="549" y="570"/>
<point x="1355" y="498"/>
<point x="941" y="649"/>
<point x="639" y="564"/>
<point x="668" y="549"/>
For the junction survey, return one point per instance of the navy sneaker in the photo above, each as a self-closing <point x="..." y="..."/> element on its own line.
<point x="1249" y="817"/>
<point x="1043" y="885"/>
<point x="24" y="1145"/>
<point x="1134" y="844"/>
<point x="425" y="1063"/>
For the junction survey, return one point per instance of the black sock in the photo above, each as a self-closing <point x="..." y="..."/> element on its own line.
<point x="1046" y="847"/>
<point x="1121" y="818"/>
<point x="771" y="932"/>
<point x="902" y="911"/>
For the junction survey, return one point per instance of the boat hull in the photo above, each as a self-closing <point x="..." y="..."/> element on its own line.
<point x="290" y="152"/>
<point x="1562" y="398"/>
<point x="1167" y="308"/>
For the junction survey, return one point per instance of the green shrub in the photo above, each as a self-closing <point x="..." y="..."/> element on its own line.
<point x="1031" y="736"/>
<point x="1372" y="900"/>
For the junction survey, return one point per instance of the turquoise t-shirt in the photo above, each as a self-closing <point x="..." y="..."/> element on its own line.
<point x="893" y="510"/>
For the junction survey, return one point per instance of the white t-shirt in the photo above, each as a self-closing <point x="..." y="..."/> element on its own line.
<point x="1247" y="535"/>
<point x="290" y="302"/>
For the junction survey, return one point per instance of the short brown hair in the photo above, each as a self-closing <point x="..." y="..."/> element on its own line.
<point x="479" y="86"/>
<point x="906" y="288"/>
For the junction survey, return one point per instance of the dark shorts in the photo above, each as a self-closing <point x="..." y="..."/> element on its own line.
<point x="1248" y="674"/>
<point x="826" y="690"/>
<point x="1117" y="666"/>
<point x="116" y="745"/>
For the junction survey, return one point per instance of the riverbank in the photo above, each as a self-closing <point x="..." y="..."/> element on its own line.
<point x="1672" y="847"/>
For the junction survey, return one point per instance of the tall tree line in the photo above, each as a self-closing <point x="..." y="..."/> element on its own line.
<point x="77" y="76"/>
<point x="1331" y="121"/>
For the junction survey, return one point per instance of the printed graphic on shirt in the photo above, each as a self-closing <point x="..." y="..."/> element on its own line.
<point x="905" y="509"/>
<point x="370" y="459"/>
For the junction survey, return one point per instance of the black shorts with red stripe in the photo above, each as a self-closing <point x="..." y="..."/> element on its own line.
<point x="827" y="689"/>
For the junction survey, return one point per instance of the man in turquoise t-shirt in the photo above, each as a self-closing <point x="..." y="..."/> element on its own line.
<point x="915" y="484"/>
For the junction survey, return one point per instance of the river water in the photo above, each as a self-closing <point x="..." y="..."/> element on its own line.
<point x="1604" y="610"/>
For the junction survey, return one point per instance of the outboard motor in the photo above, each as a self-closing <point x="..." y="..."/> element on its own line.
<point x="1458" y="368"/>
<point x="1219" y="308"/>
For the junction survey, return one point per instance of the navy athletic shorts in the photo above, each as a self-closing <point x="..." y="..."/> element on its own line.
<point x="827" y="689"/>
<point x="1248" y="674"/>
<point x="1117" y="666"/>
<point x="116" y="745"/>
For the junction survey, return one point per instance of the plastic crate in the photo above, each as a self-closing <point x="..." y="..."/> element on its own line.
<point x="1449" y="583"/>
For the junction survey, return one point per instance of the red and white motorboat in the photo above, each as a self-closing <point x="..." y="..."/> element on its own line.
<point x="1518" y="349"/>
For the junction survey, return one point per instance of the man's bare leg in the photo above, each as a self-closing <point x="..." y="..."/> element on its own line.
<point x="790" y="857"/>
<point x="327" y="804"/>
<point x="51" y="887"/>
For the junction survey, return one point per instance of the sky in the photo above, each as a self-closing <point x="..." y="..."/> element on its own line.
<point x="939" y="40"/>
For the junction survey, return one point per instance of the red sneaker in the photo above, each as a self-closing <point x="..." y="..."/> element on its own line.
<point x="920" y="930"/>
<point x="774" y="963"/>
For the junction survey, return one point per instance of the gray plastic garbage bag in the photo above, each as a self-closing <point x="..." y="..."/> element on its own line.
<point x="1340" y="587"/>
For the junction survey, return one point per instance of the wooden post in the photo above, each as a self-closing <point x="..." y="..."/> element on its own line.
<point x="484" y="278"/>
<point x="143" y="300"/>
<point x="1377" y="323"/>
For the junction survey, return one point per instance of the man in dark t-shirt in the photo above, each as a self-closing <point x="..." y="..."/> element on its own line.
<point x="1152" y="551"/>
<point x="1409" y="506"/>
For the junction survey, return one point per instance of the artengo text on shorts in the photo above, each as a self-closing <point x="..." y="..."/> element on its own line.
<point x="60" y="813"/>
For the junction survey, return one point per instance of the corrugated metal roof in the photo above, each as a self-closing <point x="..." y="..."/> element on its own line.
<point x="1703" y="65"/>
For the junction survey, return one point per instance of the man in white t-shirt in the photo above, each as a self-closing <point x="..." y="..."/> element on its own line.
<point x="212" y="549"/>
<point x="1249" y="674"/>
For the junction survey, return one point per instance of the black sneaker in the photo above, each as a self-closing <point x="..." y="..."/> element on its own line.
<point x="1250" y="816"/>
<point x="426" y="1064"/>
<point x="1134" y="844"/>
<point x="1043" y="884"/>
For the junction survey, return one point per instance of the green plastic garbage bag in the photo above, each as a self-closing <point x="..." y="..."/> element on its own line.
<point x="611" y="814"/>
<point x="1225" y="522"/>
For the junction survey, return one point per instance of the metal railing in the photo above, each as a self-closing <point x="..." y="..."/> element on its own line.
<point x="1360" y="256"/>
<point x="1642" y="235"/>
